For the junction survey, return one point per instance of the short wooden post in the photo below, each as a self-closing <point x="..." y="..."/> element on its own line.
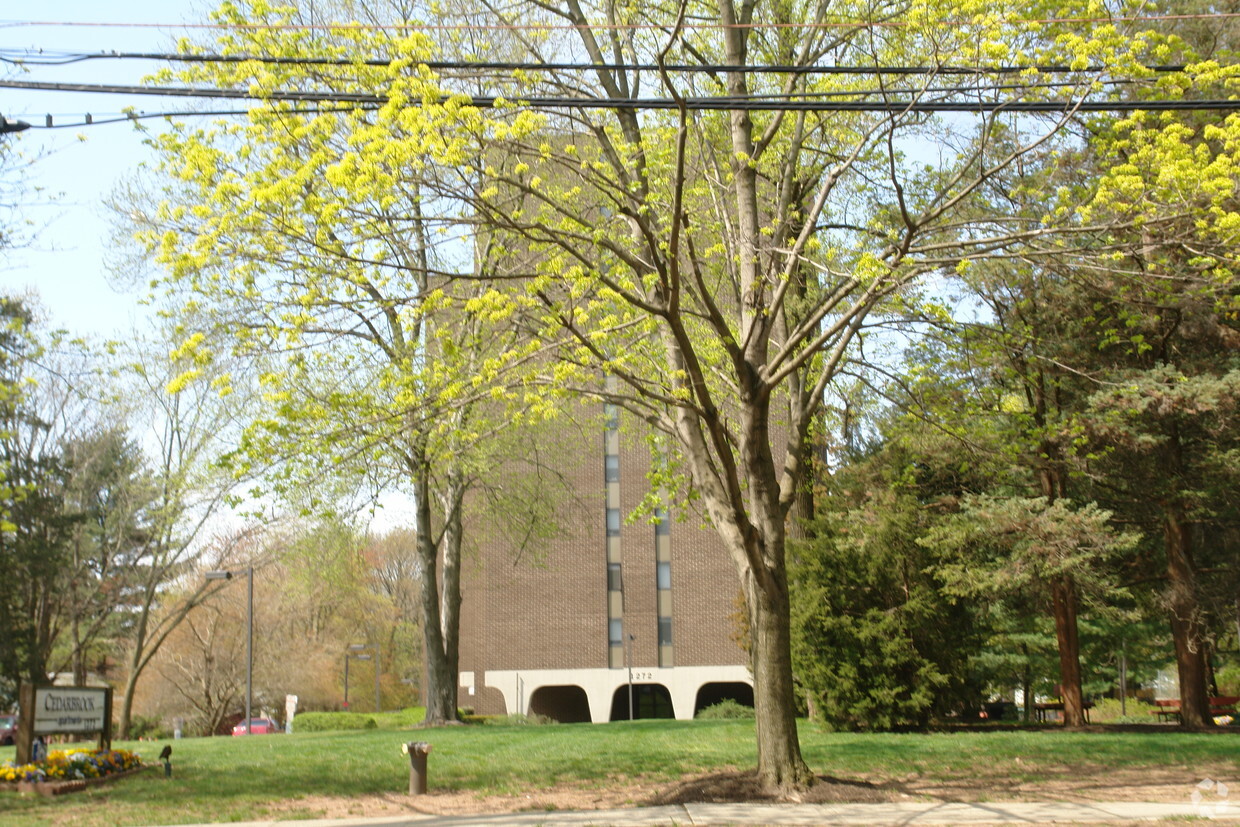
<point x="417" y="752"/>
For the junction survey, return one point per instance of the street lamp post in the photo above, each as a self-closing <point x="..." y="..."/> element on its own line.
<point x="249" y="633"/>
<point x="347" y="657"/>
<point x="359" y="647"/>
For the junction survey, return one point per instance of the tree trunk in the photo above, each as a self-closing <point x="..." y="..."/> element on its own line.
<point x="780" y="765"/>
<point x="1026" y="686"/>
<point x="43" y="637"/>
<point x="136" y="664"/>
<point x="1186" y="627"/>
<point x="126" y="713"/>
<point x="441" y="678"/>
<point x="441" y="600"/>
<point x="1063" y="606"/>
<point x="79" y="658"/>
<point x="450" y="592"/>
<point x="1063" y="592"/>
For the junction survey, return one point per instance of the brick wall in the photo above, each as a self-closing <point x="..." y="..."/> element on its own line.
<point x="546" y="608"/>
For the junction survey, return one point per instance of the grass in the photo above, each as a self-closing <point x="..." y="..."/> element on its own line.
<point x="230" y="779"/>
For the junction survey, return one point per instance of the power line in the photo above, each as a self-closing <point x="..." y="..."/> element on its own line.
<point x="694" y="103"/>
<point x="129" y="117"/>
<point x="1052" y="68"/>
<point x="831" y="24"/>
<point x="186" y="92"/>
<point x="88" y="119"/>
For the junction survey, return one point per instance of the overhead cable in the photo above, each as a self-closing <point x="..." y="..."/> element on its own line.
<point x="138" y="115"/>
<point x="1051" y="68"/>
<point x="607" y="26"/>
<point x="695" y="103"/>
<point x="95" y="120"/>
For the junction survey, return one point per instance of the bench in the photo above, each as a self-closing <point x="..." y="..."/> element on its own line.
<point x="1224" y="705"/>
<point x="1169" y="708"/>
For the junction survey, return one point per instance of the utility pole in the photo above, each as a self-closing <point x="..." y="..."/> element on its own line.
<point x="8" y="127"/>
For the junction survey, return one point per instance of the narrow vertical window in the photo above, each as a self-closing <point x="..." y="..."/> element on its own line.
<point x="663" y="527"/>
<point x="665" y="631"/>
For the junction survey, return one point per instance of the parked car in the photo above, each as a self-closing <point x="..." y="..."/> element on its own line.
<point x="8" y="729"/>
<point x="258" y="726"/>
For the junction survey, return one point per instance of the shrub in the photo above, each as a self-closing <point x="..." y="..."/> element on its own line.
<point x="327" y="721"/>
<point x="406" y="718"/>
<point x="533" y="719"/>
<point x="726" y="710"/>
<point x="1228" y="679"/>
<point x="147" y="727"/>
<point x="1108" y="711"/>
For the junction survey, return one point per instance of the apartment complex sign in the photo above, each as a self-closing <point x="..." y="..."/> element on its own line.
<point x="69" y="709"/>
<point x="62" y="710"/>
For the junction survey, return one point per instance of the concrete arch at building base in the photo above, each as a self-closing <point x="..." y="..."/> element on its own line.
<point x="641" y="700"/>
<point x="709" y="694"/>
<point x="566" y="704"/>
<point x="682" y="684"/>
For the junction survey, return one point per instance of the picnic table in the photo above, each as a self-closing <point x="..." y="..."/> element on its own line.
<point x="1041" y="711"/>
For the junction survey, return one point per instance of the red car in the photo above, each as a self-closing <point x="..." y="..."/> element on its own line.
<point x="258" y="726"/>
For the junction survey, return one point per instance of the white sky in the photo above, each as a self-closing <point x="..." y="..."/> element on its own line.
<point x="66" y="262"/>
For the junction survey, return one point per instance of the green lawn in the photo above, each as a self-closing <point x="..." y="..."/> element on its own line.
<point x="222" y="779"/>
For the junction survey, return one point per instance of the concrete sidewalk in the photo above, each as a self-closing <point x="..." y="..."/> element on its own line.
<point x="1025" y="813"/>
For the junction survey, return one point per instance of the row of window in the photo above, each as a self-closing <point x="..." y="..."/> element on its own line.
<point x="615" y="576"/>
<point x="663" y="577"/>
<point x="615" y="631"/>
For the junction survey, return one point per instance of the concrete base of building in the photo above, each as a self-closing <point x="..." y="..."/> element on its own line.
<point x="602" y="695"/>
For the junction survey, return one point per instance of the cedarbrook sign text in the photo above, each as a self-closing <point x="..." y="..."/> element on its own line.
<point x="69" y="710"/>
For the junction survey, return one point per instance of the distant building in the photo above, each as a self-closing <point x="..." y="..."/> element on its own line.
<point x="556" y="635"/>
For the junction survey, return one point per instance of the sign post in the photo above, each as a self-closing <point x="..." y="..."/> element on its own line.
<point x="62" y="710"/>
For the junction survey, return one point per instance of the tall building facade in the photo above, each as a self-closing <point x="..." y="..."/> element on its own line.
<point x="610" y="618"/>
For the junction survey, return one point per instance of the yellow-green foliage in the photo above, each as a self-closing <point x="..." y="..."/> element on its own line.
<point x="303" y="233"/>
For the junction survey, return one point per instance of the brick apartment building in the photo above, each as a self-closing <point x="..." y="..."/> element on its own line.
<point x="556" y="633"/>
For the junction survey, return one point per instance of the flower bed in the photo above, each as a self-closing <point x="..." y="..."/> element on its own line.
<point x="71" y="765"/>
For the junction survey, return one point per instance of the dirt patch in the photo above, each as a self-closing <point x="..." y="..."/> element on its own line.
<point x="619" y="793"/>
<point x="735" y="785"/>
<point x="1067" y="783"/>
<point x="1078" y="784"/>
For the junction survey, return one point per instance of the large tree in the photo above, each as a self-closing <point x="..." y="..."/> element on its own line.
<point x="385" y="364"/>
<point x="725" y="259"/>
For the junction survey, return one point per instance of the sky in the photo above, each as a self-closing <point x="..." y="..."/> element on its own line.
<point x="67" y="263"/>
<point x="80" y="166"/>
